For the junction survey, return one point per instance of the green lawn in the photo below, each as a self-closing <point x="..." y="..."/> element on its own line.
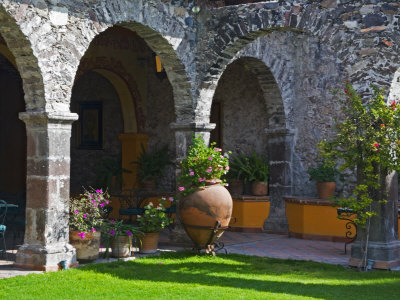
<point x="187" y="276"/>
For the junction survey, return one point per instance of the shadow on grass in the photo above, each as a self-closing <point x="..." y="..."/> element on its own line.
<point x="260" y="274"/>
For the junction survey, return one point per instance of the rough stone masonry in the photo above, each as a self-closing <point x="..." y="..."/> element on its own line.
<point x="297" y="50"/>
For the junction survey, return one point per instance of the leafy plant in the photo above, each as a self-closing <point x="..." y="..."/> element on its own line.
<point x="250" y="168"/>
<point x="108" y="168"/>
<point x="237" y="166"/>
<point x="201" y="165"/>
<point x="154" y="218"/>
<point x="323" y="173"/>
<point x="151" y="165"/>
<point x="114" y="229"/>
<point x="86" y="212"/>
<point x="368" y="141"/>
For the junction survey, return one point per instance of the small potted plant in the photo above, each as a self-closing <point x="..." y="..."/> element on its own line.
<point x="119" y="236"/>
<point x="325" y="176"/>
<point x="109" y="174"/>
<point x="237" y="175"/>
<point x="86" y="215"/>
<point x="258" y="174"/>
<point x="151" y="222"/>
<point x="151" y="166"/>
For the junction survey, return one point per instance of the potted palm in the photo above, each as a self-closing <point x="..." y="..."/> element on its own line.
<point x="151" y="166"/>
<point x="86" y="215"/>
<point x="120" y="236"/>
<point x="258" y="174"/>
<point x="151" y="222"/>
<point x="237" y="175"/>
<point x="109" y="174"/>
<point x="324" y="175"/>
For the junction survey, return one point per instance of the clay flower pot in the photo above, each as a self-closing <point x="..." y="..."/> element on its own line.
<point x="87" y="249"/>
<point x="236" y="187"/>
<point x="326" y="189"/>
<point x="259" y="188"/>
<point x="201" y="210"/>
<point x="149" y="242"/>
<point x="121" y="246"/>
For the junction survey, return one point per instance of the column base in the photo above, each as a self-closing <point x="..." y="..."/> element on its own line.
<point x="278" y="225"/>
<point x="385" y="255"/>
<point x="45" y="258"/>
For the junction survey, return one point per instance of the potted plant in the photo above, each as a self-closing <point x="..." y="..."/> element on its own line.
<point x="86" y="214"/>
<point x="236" y="175"/>
<point x="324" y="175"/>
<point x="151" y="222"/>
<point x="109" y="174"/>
<point x="206" y="202"/>
<point x="151" y="166"/>
<point x="119" y="236"/>
<point x="258" y="174"/>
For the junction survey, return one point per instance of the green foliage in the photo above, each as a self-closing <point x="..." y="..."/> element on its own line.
<point x="151" y="165"/>
<point x="323" y="173"/>
<point x="86" y="212"/>
<point x="367" y="141"/>
<point x="249" y="168"/>
<point x="154" y="218"/>
<point x="202" y="164"/>
<point x="106" y="169"/>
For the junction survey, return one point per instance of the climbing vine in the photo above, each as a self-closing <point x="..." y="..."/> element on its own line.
<point x="368" y="143"/>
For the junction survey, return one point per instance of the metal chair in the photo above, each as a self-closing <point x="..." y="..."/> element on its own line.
<point x="3" y="213"/>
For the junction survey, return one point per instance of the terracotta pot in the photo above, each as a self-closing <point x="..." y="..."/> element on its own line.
<point x="149" y="242"/>
<point x="200" y="212"/>
<point x="236" y="187"/>
<point x="259" y="188"/>
<point x="87" y="249"/>
<point x="326" y="189"/>
<point x="121" y="246"/>
<point x="148" y="185"/>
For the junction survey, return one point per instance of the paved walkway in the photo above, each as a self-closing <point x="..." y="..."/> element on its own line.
<point x="259" y="244"/>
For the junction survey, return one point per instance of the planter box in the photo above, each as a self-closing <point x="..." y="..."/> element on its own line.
<point x="249" y="213"/>
<point x="311" y="218"/>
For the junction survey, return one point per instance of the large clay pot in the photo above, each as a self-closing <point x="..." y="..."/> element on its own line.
<point x="326" y="189"/>
<point x="87" y="249"/>
<point x="259" y="188"/>
<point x="202" y="210"/>
<point x="149" y="242"/>
<point x="121" y="246"/>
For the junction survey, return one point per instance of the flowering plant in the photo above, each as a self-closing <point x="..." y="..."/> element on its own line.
<point x="202" y="164"/>
<point x="155" y="218"/>
<point x="87" y="211"/>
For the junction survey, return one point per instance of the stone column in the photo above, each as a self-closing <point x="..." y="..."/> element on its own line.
<point x="384" y="244"/>
<point x="48" y="176"/>
<point x="280" y="148"/>
<point x="183" y="139"/>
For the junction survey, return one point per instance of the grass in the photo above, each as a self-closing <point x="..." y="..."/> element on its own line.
<point x="187" y="276"/>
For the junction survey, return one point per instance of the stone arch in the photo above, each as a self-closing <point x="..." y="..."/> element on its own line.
<point x="19" y="51"/>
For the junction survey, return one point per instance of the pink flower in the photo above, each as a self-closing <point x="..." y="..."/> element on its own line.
<point x="90" y="196"/>
<point x="227" y="168"/>
<point x="159" y="207"/>
<point x="82" y="235"/>
<point x="84" y="216"/>
<point x="202" y="179"/>
<point x="93" y="201"/>
<point x="210" y="158"/>
<point x="218" y="149"/>
<point x="376" y="145"/>
<point x="77" y="212"/>
<point x="107" y="202"/>
<point x="226" y="184"/>
<point x="129" y="233"/>
<point x="209" y="170"/>
<point x="150" y="203"/>
<point x="171" y="199"/>
<point x="94" y="230"/>
<point x="102" y="204"/>
<point x="191" y="173"/>
<point x="112" y="221"/>
<point x="99" y="191"/>
<point x="181" y="188"/>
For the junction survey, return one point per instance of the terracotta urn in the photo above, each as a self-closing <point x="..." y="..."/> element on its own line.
<point x="121" y="246"/>
<point x="87" y="249"/>
<point x="326" y="189"/>
<point x="259" y="188"/>
<point x="149" y="242"/>
<point x="203" y="210"/>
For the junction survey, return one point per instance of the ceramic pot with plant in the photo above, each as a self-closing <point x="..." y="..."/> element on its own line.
<point x="258" y="174"/>
<point x="151" y="222"/>
<point x="206" y="203"/>
<point x="324" y="175"/>
<point x="151" y="166"/>
<point x="86" y="215"/>
<point x="120" y="236"/>
<point x="236" y="175"/>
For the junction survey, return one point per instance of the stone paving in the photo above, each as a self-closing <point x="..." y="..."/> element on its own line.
<point x="259" y="244"/>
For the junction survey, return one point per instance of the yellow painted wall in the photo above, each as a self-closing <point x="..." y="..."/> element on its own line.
<point x="315" y="219"/>
<point x="249" y="214"/>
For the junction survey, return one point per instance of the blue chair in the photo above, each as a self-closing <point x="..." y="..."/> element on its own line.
<point x="3" y="213"/>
